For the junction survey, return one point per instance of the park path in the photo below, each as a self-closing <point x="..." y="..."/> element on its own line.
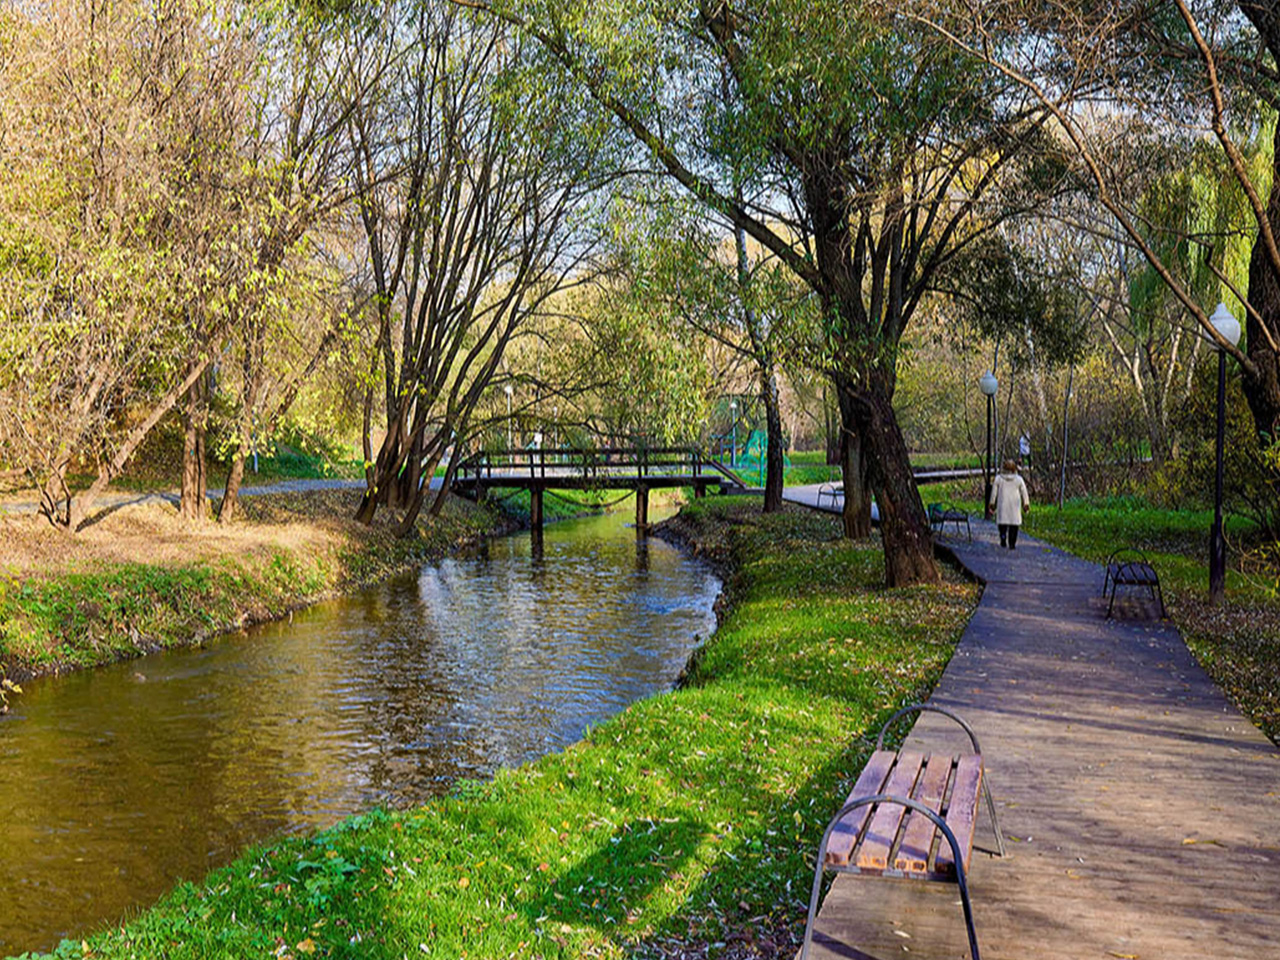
<point x="1141" y="810"/>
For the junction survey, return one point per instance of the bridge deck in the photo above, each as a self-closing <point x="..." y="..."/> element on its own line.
<point x="570" y="480"/>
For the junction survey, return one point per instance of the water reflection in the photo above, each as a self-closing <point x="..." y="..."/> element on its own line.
<point x="119" y="781"/>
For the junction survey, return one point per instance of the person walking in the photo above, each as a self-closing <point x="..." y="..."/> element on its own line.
<point x="1009" y="497"/>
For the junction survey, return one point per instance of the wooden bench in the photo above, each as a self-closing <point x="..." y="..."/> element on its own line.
<point x="940" y="514"/>
<point x="1128" y="567"/>
<point x="910" y="815"/>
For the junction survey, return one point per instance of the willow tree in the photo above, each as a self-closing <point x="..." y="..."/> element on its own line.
<point x="878" y="153"/>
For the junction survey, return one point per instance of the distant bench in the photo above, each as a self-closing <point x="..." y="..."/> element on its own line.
<point x="910" y="815"/>
<point x="1128" y="567"/>
<point x="940" y="514"/>
<point x="833" y="490"/>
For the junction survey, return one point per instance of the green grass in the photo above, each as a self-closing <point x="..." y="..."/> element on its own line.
<point x="687" y="816"/>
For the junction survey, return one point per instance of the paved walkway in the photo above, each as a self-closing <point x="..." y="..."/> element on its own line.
<point x="1142" y="810"/>
<point x="827" y="497"/>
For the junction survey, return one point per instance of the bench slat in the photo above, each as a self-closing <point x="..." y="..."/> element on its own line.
<point x="917" y="836"/>
<point x="874" y="852"/>
<point x="845" y="835"/>
<point x="961" y="811"/>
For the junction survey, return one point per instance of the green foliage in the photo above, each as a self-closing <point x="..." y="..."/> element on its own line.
<point x="1200" y="222"/>
<point x="1003" y="297"/>
<point x="689" y="815"/>
<point x="1251" y="473"/>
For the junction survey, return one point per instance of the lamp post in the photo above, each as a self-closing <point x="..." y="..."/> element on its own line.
<point x="988" y="384"/>
<point x="1228" y="328"/>
<point x="733" y="429"/>
<point x="508" y="390"/>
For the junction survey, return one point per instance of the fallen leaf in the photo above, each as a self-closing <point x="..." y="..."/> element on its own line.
<point x="305" y="946"/>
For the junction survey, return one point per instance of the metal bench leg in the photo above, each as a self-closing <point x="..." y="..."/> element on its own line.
<point x="1114" y="587"/>
<point x="991" y="808"/>
<point x="956" y="856"/>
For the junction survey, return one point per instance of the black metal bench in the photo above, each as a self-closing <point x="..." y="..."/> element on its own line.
<point x="833" y="490"/>
<point x="1129" y="567"/>
<point x="911" y="816"/>
<point x="940" y="514"/>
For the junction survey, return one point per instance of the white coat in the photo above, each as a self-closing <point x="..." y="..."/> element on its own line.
<point x="1009" y="496"/>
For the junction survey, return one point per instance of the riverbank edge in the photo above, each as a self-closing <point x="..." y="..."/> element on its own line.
<point x="741" y="710"/>
<point x="75" y="599"/>
<point x="257" y="590"/>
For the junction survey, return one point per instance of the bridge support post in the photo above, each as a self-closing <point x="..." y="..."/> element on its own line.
<point x="699" y="491"/>
<point x="535" y="508"/>
<point x="642" y="509"/>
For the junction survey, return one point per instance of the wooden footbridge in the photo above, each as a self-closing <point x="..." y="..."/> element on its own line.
<point x="638" y="469"/>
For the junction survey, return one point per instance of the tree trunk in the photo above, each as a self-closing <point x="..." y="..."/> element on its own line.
<point x="853" y="469"/>
<point x="194" y="502"/>
<point x="80" y="507"/>
<point x="231" y="496"/>
<point x="1263" y="389"/>
<point x="54" y="492"/>
<point x="831" y="432"/>
<point x="774" y="458"/>
<point x="856" y="513"/>
<point x="904" y="526"/>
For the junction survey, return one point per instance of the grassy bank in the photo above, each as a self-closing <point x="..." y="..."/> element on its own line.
<point x="1238" y="643"/>
<point x="684" y="821"/>
<point x="142" y="580"/>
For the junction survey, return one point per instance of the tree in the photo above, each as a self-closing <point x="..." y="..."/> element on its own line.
<point x="874" y="148"/>
<point x="314" y="77"/>
<point x="737" y="296"/>
<point x="118" y="218"/>
<point x="1107" y="67"/>
<point x="473" y="183"/>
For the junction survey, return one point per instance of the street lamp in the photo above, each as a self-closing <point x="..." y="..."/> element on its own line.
<point x="988" y="384"/>
<point x="508" y="390"/>
<point x="733" y="427"/>
<point x="1228" y="328"/>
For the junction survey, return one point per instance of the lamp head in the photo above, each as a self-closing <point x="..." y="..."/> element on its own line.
<point x="508" y="390"/>
<point x="1226" y="324"/>
<point x="988" y="384"/>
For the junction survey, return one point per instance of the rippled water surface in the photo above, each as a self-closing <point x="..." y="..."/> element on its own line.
<point x="115" y="783"/>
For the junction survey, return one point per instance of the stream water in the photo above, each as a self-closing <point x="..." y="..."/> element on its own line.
<point x="118" y="782"/>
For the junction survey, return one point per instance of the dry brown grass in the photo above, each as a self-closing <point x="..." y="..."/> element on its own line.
<point x="154" y="534"/>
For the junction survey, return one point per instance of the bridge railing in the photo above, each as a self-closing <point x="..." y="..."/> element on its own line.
<point x="551" y="462"/>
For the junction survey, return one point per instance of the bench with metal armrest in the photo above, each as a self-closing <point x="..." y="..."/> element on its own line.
<point x="1128" y="567"/>
<point x="910" y="815"/>
<point x="940" y="514"/>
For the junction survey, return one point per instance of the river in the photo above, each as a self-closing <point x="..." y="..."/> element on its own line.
<point x="120" y="781"/>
